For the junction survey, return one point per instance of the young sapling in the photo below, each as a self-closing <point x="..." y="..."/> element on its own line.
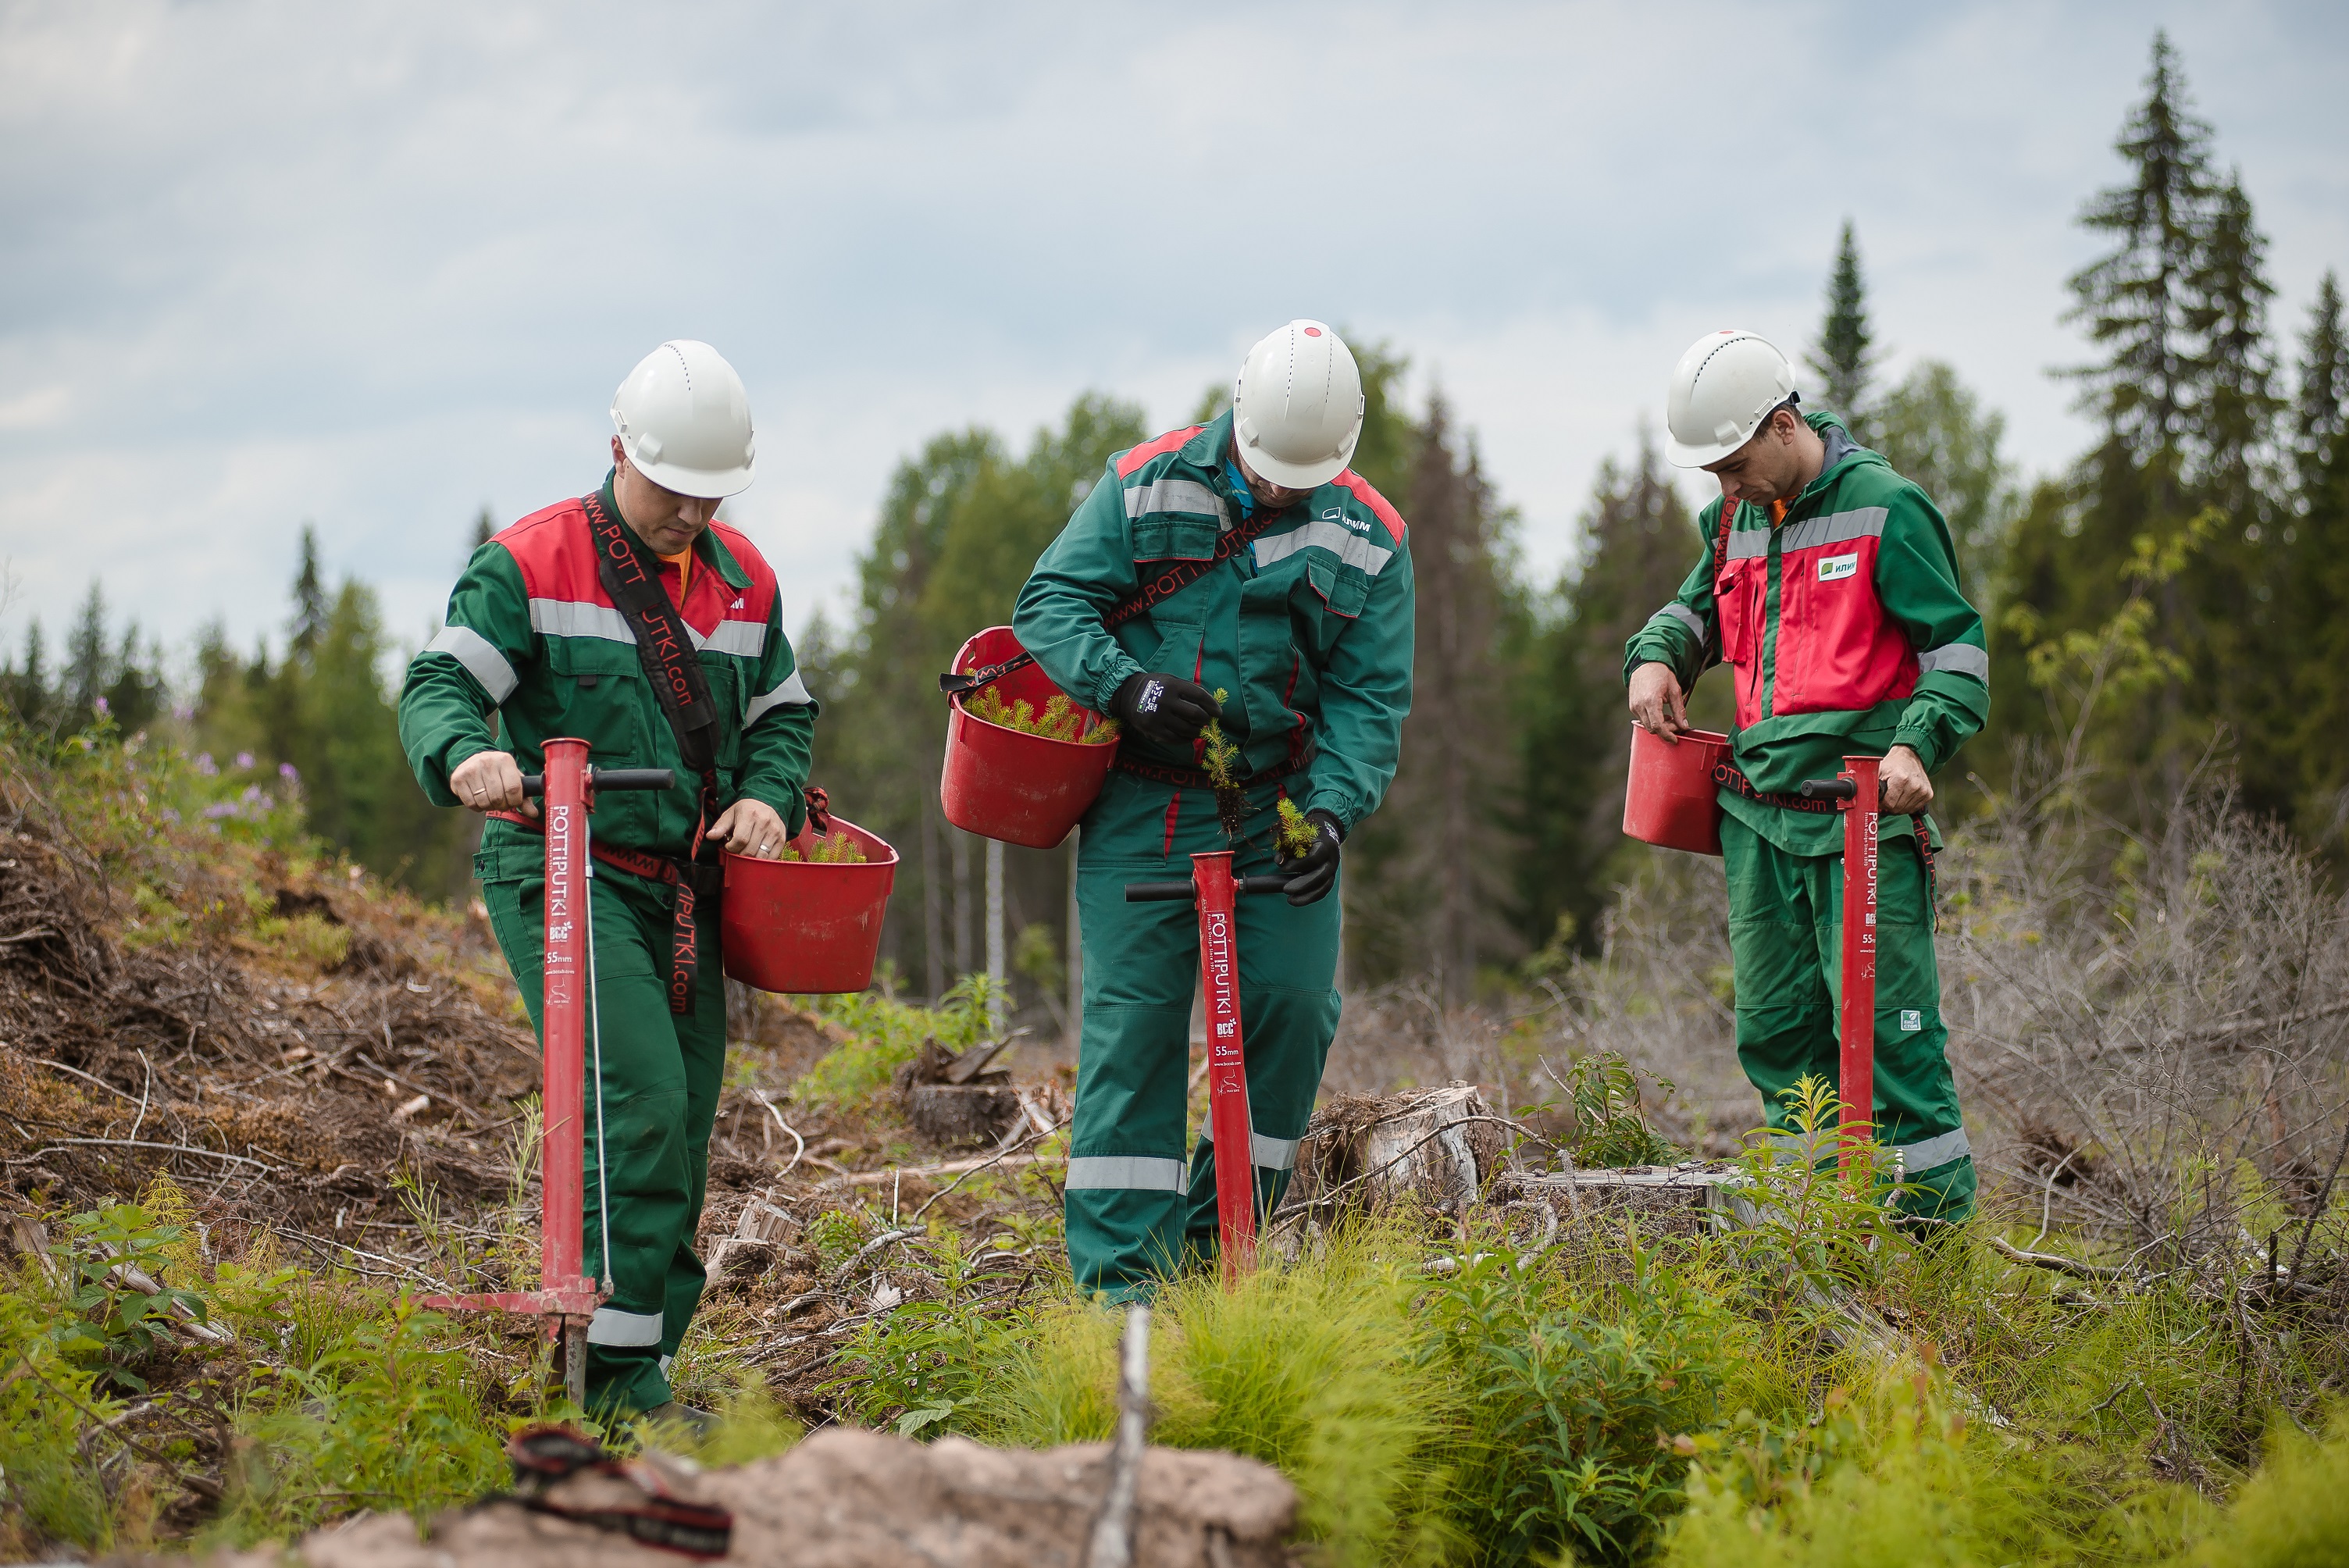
<point x="1297" y="836"/>
<point x="1060" y="720"/>
<point x="831" y="849"/>
<point x="1221" y="760"/>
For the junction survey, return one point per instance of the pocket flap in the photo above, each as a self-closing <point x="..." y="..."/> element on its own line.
<point x="1344" y="588"/>
<point x="592" y="656"/>
<point x="1157" y="536"/>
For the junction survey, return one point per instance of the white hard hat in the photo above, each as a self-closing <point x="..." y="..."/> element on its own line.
<point x="685" y="420"/>
<point x="1723" y="389"/>
<point x="1296" y="406"/>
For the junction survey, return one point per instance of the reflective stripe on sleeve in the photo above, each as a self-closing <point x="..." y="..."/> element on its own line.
<point x="1686" y="617"/>
<point x="1958" y="659"/>
<point x="1177" y="495"/>
<point x="1126" y="1172"/>
<point x="610" y="1326"/>
<point x="1336" y="538"/>
<point x="1265" y="1153"/>
<point x="1931" y="1153"/>
<point x="793" y="690"/>
<point x="1836" y="528"/>
<point x="481" y="658"/>
<point x="746" y="639"/>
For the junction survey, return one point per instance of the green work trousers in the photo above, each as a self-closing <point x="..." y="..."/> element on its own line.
<point x="661" y="1074"/>
<point x="1785" y="938"/>
<point x="1136" y="1213"/>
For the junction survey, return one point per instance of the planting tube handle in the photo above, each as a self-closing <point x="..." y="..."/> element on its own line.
<point x="610" y="778"/>
<point x="1827" y="789"/>
<point x="1183" y="892"/>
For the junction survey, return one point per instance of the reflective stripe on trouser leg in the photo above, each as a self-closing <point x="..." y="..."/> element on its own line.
<point x="1785" y="939"/>
<point x="1124" y="1228"/>
<point x="660" y="1081"/>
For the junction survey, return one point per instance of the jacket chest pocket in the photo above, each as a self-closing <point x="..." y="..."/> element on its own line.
<point x="1737" y="605"/>
<point x="1171" y="536"/>
<point x="599" y="695"/>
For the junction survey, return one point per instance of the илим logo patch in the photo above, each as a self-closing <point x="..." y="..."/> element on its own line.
<point x="1832" y="567"/>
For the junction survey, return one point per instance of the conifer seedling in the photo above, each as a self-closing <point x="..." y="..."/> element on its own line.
<point x="1060" y="720"/>
<point x="1297" y="836"/>
<point x="1222" y="763"/>
<point x="831" y="849"/>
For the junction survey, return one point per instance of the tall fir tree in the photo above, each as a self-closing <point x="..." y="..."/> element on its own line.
<point x="310" y="607"/>
<point x="2169" y="507"/>
<point x="1843" y="359"/>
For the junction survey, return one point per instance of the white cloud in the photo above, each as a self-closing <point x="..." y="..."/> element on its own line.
<point x="381" y="264"/>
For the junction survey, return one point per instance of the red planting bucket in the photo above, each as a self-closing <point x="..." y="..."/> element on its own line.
<point x="803" y="927"/>
<point x="1006" y="784"/>
<point x="1670" y="798"/>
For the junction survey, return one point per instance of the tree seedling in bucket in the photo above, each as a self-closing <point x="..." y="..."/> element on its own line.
<point x="831" y="849"/>
<point x="1060" y="720"/>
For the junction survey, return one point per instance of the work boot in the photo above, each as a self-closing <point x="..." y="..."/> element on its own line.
<point x="681" y="1420"/>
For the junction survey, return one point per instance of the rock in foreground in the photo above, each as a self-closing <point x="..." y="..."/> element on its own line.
<point x="850" y="1498"/>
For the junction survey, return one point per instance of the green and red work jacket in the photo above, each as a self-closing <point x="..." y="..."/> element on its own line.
<point x="1845" y="629"/>
<point x="1309" y="628"/>
<point x="533" y="638"/>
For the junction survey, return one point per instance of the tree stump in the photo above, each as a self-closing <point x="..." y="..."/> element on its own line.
<point x="1434" y="1146"/>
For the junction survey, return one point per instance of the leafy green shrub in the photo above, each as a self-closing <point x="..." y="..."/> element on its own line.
<point x="884" y="1035"/>
<point x="113" y="1324"/>
<point x="54" y="1491"/>
<point x="1567" y="1389"/>
<point x="1609" y="1130"/>
<point x="927" y="1364"/>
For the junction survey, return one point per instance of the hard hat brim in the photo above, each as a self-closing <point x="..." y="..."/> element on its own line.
<point x="703" y="484"/>
<point x="1297" y="476"/>
<point x="1681" y="455"/>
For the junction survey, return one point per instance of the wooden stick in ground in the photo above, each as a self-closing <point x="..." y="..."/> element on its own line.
<point x="1113" y="1540"/>
<point x="999" y="1156"/>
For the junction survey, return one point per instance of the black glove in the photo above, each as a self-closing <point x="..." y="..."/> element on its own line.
<point x="1317" y="868"/>
<point x="1166" y="711"/>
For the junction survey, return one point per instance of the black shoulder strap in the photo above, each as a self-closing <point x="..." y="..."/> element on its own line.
<point x="1168" y="579"/>
<point x="664" y="645"/>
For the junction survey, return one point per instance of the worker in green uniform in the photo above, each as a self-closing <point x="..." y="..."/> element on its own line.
<point x="1273" y="575"/>
<point x="630" y="619"/>
<point x="1829" y="586"/>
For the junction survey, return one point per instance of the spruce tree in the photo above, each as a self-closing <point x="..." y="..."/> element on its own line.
<point x="1842" y="360"/>
<point x="86" y="663"/>
<point x="2320" y="411"/>
<point x="309" y="597"/>
<point x="2317" y="547"/>
<point x="2133" y="299"/>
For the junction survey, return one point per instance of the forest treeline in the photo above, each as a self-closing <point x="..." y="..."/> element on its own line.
<point x="2173" y="606"/>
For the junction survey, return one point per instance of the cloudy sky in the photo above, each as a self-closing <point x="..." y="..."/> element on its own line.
<point x="377" y="265"/>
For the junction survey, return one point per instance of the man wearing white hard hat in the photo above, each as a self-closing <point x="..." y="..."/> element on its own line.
<point x="1829" y="586"/>
<point x="566" y="624"/>
<point x="1236" y="571"/>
